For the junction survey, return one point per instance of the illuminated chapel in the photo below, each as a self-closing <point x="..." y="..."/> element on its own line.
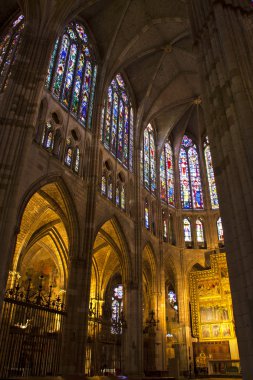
<point x="126" y="151"/>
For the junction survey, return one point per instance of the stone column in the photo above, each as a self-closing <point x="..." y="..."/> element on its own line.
<point x="184" y="330"/>
<point x="222" y="32"/>
<point x="75" y="338"/>
<point x="19" y="105"/>
<point x="134" y="312"/>
<point x="18" y="112"/>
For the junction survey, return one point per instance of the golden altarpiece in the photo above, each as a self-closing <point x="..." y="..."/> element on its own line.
<point x="212" y="314"/>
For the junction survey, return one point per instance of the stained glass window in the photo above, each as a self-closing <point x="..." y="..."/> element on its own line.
<point x="48" y="136"/>
<point x="117" y="309"/>
<point x="149" y="159"/>
<point x="190" y="181"/>
<point x="146" y="215"/>
<point x="172" y="298"/>
<point x="103" y="185"/>
<point x="123" y="198"/>
<point x="199" y="231"/>
<point x="165" y="227"/>
<point x="77" y="160"/>
<point x="220" y="229"/>
<point x="187" y="230"/>
<point x="210" y="176"/>
<point x="167" y="174"/>
<point x="9" y="43"/>
<point x="117" y="122"/>
<point x="109" y="187"/>
<point x="72" y="73"/>
<point x="117" y="195"/>
<point x="69" y="153"/>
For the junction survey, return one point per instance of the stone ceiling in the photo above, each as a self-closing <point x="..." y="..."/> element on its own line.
<point x="150" y="43"/>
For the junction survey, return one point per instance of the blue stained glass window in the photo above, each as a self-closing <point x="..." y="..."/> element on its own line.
<point x="149" y="159"/>
<point x="167" y="174"/>
<point x="117" y="196"/>
<point x="117" y="122"/>
<point x="72" y="73"/>
<point x="210" y="176"/>
<point x="72" y="156"/>
<point x="190" y="180"/>
<point x="184" y="180"/>
<point x="67" y="88"/>
<point x="114" y="135"/>
<point x="172" y="298"/>
<point x="48" y="136"/>
<point x="9" y="43"/>
<point x="69" y="153"/>
<point x="187" y="230"/>
<point x="146" y="215"/>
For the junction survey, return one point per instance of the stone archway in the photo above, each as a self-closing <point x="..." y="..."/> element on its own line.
<point x="105" y="349"/>
<point x="34" y="306"/>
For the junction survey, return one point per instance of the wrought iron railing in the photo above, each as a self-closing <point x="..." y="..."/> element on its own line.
<point x="31" y="326"/>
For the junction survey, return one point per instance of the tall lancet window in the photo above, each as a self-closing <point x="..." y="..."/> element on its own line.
<point x="167" y="174"/>
<point x="117" y="122"/>
<point x="187" y="230"/>
<point x="9" y="43"/>
<point x="117" y="309"/>
<point x="146" y="215"/>
<point x="149" y="159"/>
<point x="220" y="230"/>
<point x="72" y="73"/>
<point x="109" y="187"/>
<point x="210" y="176"/>
<point x="200" y="231"/>
<point x="190" y="181"/>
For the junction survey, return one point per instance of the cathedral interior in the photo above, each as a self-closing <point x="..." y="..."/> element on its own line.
<point x="126" y="151"/>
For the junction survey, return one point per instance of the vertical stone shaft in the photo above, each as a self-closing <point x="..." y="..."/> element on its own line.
<point x="18" y="109"/>
<point x="223" y="40"/>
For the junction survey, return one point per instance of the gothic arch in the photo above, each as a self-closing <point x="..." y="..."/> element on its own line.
<point x="47" y="233"/>
<point x="149" y="264"/>
<point x="110" y="256"/>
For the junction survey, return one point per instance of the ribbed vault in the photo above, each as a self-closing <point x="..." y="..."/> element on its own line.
<point x="42" y="246"/>
<point x="109" y="258"/>
<point x="150" y="43"/>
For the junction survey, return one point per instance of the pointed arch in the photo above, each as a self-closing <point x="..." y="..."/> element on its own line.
<point x="190" y="179"/>
<point x="72" y="72"/>
<point x="47" y="235"/>
<point x="150" y="265"/>
<point x="47" y="186"/>
<point x="110" y="236"/>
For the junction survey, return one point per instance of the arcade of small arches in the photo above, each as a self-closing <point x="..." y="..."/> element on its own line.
<point x="118" y="232"/>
